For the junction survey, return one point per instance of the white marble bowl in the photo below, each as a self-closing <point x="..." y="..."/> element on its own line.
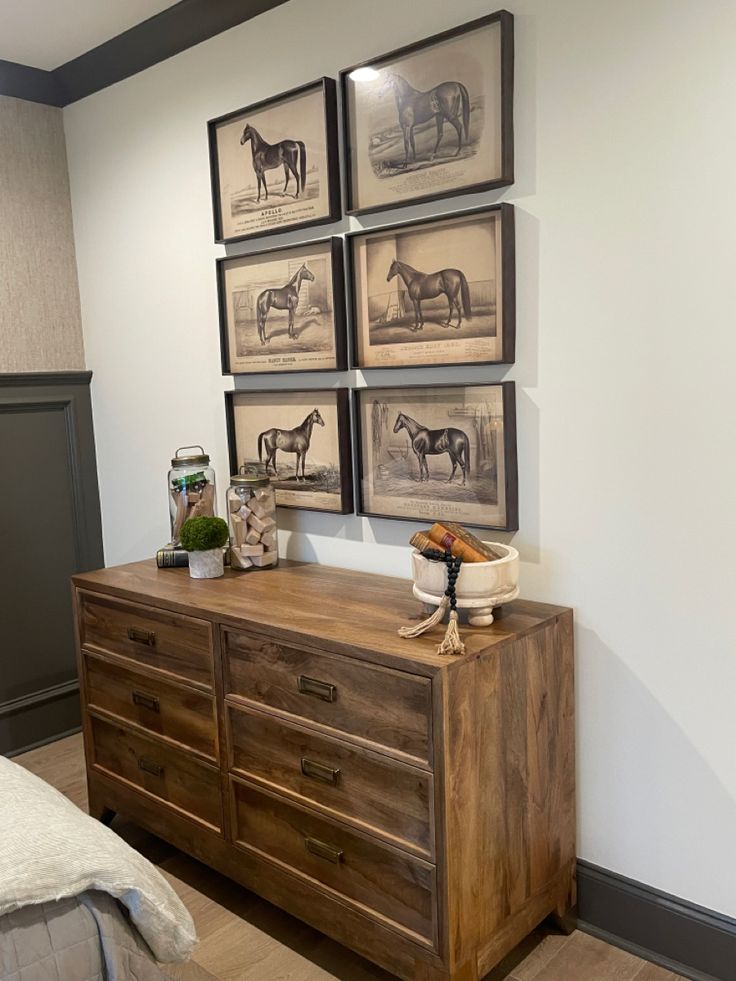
<point x="480" y="587"/>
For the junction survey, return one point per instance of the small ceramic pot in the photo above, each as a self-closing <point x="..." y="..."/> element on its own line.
<point x="480" y="587"/>
<point x="206" y="565"/>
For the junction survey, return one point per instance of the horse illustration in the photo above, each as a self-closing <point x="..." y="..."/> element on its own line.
<point x="266" y="156"/>
<point x="281" y="298"/>
<point x="447" y="101"/>
<point x="430" y="442"/>
<point x="289" y="441"/>
<point x="425" y="286"/>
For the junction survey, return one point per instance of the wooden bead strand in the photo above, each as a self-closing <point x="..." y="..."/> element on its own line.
<point x="452" y="644"/>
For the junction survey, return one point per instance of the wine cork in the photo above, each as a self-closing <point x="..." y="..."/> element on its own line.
<point x="238" y="529"/>
<point x="253" y="536"/>
<point x="260" y="508"/>
<point x="261" y="524"/>
<point x="251" y="550"/>
<point x="268" y="558"/>
<point x="238" y="561"/>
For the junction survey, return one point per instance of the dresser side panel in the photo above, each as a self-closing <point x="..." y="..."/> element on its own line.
<point x="509" y="791"/>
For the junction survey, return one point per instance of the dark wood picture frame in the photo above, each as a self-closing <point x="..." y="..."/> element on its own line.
<point x="336" y="250"/>
<point x="506" y="176"/>
<point x="507" y="285"/>
<point x="511" y="478"/>
<point x="334" y="213"/>
<point x="344" y="442"/>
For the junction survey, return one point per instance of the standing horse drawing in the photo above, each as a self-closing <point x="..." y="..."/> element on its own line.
<point x="429" y="442"/>
<point x="447" y="101"/>
<point x="426" y="286"/>
<point x="291" y="154"/>
<point x="289" y="441"/>
<point x="281" y="298"/>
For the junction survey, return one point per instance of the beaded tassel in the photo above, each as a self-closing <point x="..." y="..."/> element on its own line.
<point x="452" y="644"/>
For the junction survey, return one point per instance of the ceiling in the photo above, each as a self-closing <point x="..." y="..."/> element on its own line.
<point x="48" y="33"/>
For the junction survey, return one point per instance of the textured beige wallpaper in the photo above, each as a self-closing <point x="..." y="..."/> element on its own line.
<point x="40" y="324"/>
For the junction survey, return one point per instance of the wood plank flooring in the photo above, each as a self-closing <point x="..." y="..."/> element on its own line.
<point x="243" y="938"/>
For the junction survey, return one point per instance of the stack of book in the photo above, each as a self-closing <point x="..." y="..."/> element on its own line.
<point x="451" y="537"/>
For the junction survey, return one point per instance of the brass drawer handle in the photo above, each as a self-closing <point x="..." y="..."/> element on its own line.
<point x="321" y="850"/>
<point x="146" y="701"/>
<point x="138" y="636"/>
<point x="150" y="766"/>
<point x="318" y="771"/>
<point x="320" y="689"/>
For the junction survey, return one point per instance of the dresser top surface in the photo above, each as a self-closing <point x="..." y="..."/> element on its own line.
<point x="351" y="612"/>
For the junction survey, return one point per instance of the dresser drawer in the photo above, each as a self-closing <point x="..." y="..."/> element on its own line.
<point x="382" y="795"/>
<point x="179" y="645"/>
<point x="380" y="880"/>
<point x="387" y="708"/>
<point x="166" y="774"/>
<point x="181" y="714"/>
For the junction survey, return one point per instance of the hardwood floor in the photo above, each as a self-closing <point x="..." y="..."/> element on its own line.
<point x="243" y="938"/>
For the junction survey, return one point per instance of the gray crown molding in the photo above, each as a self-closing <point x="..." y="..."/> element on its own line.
<point x="168" y="33"/>
<point x="31" y="84"/>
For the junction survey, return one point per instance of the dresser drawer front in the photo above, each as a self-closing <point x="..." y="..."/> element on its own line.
<point x="388" y="708"/>
<point x="180" y="714"/>
<point x="179" y="645"/>
<point x="380" y="880"/>
<point x="171" y="776"/>
<point x="384" y="796"/>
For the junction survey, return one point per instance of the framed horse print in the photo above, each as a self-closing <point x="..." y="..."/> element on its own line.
<point x="301" y="440"/>
<point x="438" y="452"/>
<point x="274" y="165"/>
<point x="431" y="119"/>
<point x="439" y="291"/>
<point x="283" y="310"/>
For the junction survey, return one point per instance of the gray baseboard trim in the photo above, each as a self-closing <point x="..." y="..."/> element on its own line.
<point x="45" y="742"/>
<point x="682" y="937"/>
<point x="41" y="718"/>
<point x="36" y="698"/>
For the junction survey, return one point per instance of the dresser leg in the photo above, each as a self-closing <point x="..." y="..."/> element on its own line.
<point x="100" y="812"/>
<point x="565" y="914"/>
<point x="426" y="972"/>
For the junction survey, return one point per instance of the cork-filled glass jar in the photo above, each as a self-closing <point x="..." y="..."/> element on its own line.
<point x="251" y="511"/>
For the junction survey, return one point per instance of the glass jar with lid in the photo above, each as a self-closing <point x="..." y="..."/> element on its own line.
<point x="191" y="488"/>
<point x="251" y="512"/>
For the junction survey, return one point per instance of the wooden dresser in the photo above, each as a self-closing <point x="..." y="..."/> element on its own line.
<point x="419" y="809"/>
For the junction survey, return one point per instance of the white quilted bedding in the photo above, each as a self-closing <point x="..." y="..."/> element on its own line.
<point x="50" y="850"/>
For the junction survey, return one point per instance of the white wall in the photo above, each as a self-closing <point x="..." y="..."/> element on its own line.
<point x="626" y="346"/>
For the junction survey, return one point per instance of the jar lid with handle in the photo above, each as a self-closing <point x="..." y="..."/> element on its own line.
<point x="181" y="459"/>
<point x="250" y="476"/>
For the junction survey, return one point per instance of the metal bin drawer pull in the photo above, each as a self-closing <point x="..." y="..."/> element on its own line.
<point x="321" y="850"/>
<point x="139" y="636"/>
<point x="146" y="701"/>
<point x="318" y="771"/>
<point x="150" y="766"/>
<point x="320" y="689"/>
